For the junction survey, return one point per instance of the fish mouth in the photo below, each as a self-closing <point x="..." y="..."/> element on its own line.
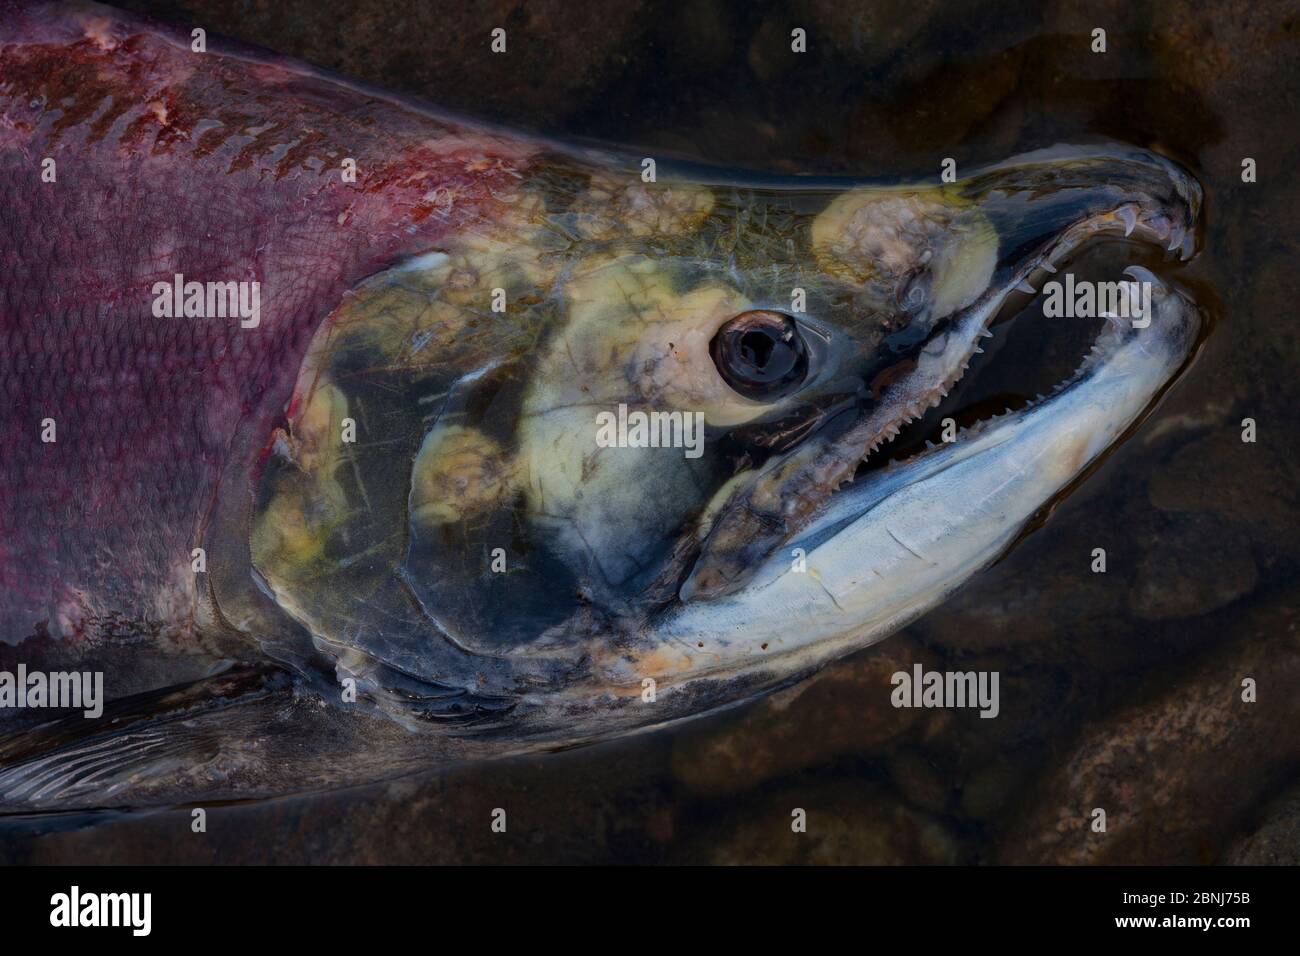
<point x="1045" y="208"/>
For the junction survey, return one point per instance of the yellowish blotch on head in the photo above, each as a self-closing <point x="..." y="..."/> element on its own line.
<point x="614" y="207"/>
<point x="318" y="430"/>
<point x="880" y="239"/>
<point x="288" y="539"/>
<point x="289" y="536"/>
<point x="633" y="338"/>
<point x="441" y="302"/>
<point x="460" y="473"/>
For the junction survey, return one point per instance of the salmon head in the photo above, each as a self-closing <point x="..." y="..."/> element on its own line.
<point x="607" y="441"/>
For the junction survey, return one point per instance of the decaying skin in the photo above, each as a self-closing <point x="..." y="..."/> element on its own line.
<point x="414" y="540"/>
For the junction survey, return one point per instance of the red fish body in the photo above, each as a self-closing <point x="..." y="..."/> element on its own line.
<point x="220" y="166"/>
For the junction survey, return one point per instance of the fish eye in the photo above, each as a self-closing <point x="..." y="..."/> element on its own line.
<point x="914" y="293"/>
<point x="761" y="354"/>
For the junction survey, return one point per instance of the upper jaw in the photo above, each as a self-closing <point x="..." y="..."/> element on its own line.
<point x="1043" y="207"/>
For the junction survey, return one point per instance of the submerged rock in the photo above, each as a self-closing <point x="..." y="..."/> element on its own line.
<point x="1276" y="842"/>
<point x="1191" y="567"/>
<point x="847" y="824"/>
<point x="843" y="710"/>
<point x="1175" y="771"/>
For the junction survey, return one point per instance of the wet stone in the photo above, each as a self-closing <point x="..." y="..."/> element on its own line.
<point x="844" y="710"/>
<point x="1276" y="841"/>
<point x="1196" y="565"/>
<point x="847" y="824"/>
<point x="1174" y="770"/>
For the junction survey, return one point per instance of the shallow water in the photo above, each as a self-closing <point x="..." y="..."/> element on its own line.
<point x="1118" y="690"/>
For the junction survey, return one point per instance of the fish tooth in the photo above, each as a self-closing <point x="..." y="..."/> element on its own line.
<point x="1128" y="217"/>
<point x="1141" y="274"/>
<point x="1047" y="264"/>
<point x="1024" y="286"/>
<point x="985" y="333"/>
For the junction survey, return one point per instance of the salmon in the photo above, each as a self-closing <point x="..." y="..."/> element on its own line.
<point x="344" y="438"/>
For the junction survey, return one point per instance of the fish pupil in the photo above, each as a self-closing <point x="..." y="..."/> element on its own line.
<point x="760" y="354"/>
<point x="757" y="348"/>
